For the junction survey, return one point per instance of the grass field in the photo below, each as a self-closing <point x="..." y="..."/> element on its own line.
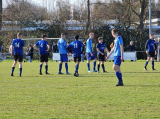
<point x="90" y="96"/>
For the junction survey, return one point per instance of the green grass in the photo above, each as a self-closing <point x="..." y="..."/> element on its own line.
<point x="90" y="96"/>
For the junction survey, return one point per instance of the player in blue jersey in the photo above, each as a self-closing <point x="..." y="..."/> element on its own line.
<point x="90" y="53"/>
<point x="62" y="47"/>
<point x="43" y="53"/>
<point x="118" y="56"/>
<point x="77" y="49"/>
<point x="17" y="52"/>
<point x="101" y="48"/>
<point x="151" y="48"/>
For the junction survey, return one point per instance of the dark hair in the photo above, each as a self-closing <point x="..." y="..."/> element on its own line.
<point x="114" y="30"/>
<point x="19" y="34"/>
<point x="76" y="37"/>
<point x="44" y="35"/>
<point x="84" y="43"/>
<point x="68" y="42"/>
<point x="62" y="34"/>
<point x="100" y="38"/>
<point x="151" y="34"/>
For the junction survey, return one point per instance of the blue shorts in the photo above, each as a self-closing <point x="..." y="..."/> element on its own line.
<point x="63" y="58"/>
<point x="89" y="57"/>
<point x="117" y="60"/>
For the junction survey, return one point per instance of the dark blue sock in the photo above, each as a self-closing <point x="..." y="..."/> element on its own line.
<point x="20" y="70"/>
<point x="103" y="67"/>
<point x="12" y="70"/>
<point x="76" y="69"/>
<point x="66" y="65"/>
<point x="94" y="65"/>
<point x="152" y="64"/>
<point x="46" y="68"/>
<point x="40" y="68"/>
<point x="98" y="67"/>
<point x="60" y="67"/>
<point x="88" y="65"/>
<point x="118" y="76"/>
<point x="146" y="64"/>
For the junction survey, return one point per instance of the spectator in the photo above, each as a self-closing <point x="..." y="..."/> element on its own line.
<point x="131" y="47"/>
<point x="82" y="55"/>
<point x="55" y="48"/>
<point x="30" y="52"/>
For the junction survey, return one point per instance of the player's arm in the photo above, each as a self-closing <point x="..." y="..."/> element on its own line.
<point x="121" y="46"/>
<point x="12" y="50"/>
<point x="69" y="48"/>
<point x="146" y="46"/>
<point x="82" y="49"/>
<point x="110" y="52"/>
<point x="35" y="46"/>
<point x="48" y="47"/>
<point x="90" y="47"/>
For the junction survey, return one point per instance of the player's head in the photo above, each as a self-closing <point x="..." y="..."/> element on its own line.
<point x="131" y="43"/>
<point x="91" y="35"/>
<point x="151" y="36"/>
<point x="44" y="37"/>
<point x="114" y="32"/>
<point x="76" y="37"/>
<point x="29" y="45"/>
<point x="19" y="35"/>
<point x="63" y="36"/>
<point x="84" y="43"/>
<point x="68" y="43"/>
<point x="100" y="39"/>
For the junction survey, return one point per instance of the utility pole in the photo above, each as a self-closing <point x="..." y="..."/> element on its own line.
<point x="150" y="18"/>
<point x="88" y="17"/>
<point x="0" y="14"/>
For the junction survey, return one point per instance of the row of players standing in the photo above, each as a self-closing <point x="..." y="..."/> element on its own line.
<point x="77" y="50"/>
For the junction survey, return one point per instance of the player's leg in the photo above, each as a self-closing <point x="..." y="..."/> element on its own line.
<point x="148" y="59"/>
<point x="20" y="69"/>
<point x="88" y="62"/>
<point x="60" y="64"/>
<point x="94" y="62"/>
<point x="41" y="63"/>
<point x="102" y="63"/>
<point x="116" y="68"/>
<point x="20" y="59"/>
<point x="46" y="63"/>
<point x="30" y="60"/>
<point x="152" y="58"/>
<point x="65" y="59"/>
<point x="77" y="66"/>
<point x="103" y="68"/>
<point x="98" y="66"/>
<point x="13" y="66"/>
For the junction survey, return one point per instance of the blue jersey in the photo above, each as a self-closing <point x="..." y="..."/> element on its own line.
<point x="117" y="42"/>
<point x="101" y="47"/>
<point x="76" y="48"/>
<point x="89" y="46"/>
<point x="62" y="47"/>
<point x="42" y="46"/>
<point x="151" y="45"/>
<point x="18" y="45"/>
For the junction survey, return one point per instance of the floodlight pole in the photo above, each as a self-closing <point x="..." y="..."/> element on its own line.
<point x="150" y="18"/>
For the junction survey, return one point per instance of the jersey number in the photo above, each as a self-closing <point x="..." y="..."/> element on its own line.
<point x="42" y="45"/>
<point x="75" y="45"/>
<point x="17" y="45"/>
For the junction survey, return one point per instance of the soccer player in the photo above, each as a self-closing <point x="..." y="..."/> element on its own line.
<point x="63" y="53"/>
<point x="18" y="46"/>
<point x="43" y="53"/>
<point x="77" y="48"/>
<point x="151" y="48"/>
<point x="118" y="55"/>
<point x="101" y="47"/>
<point x="90" y="53"/>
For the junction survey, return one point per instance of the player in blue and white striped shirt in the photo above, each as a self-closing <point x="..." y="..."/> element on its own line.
<point x="90" y="53"/>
